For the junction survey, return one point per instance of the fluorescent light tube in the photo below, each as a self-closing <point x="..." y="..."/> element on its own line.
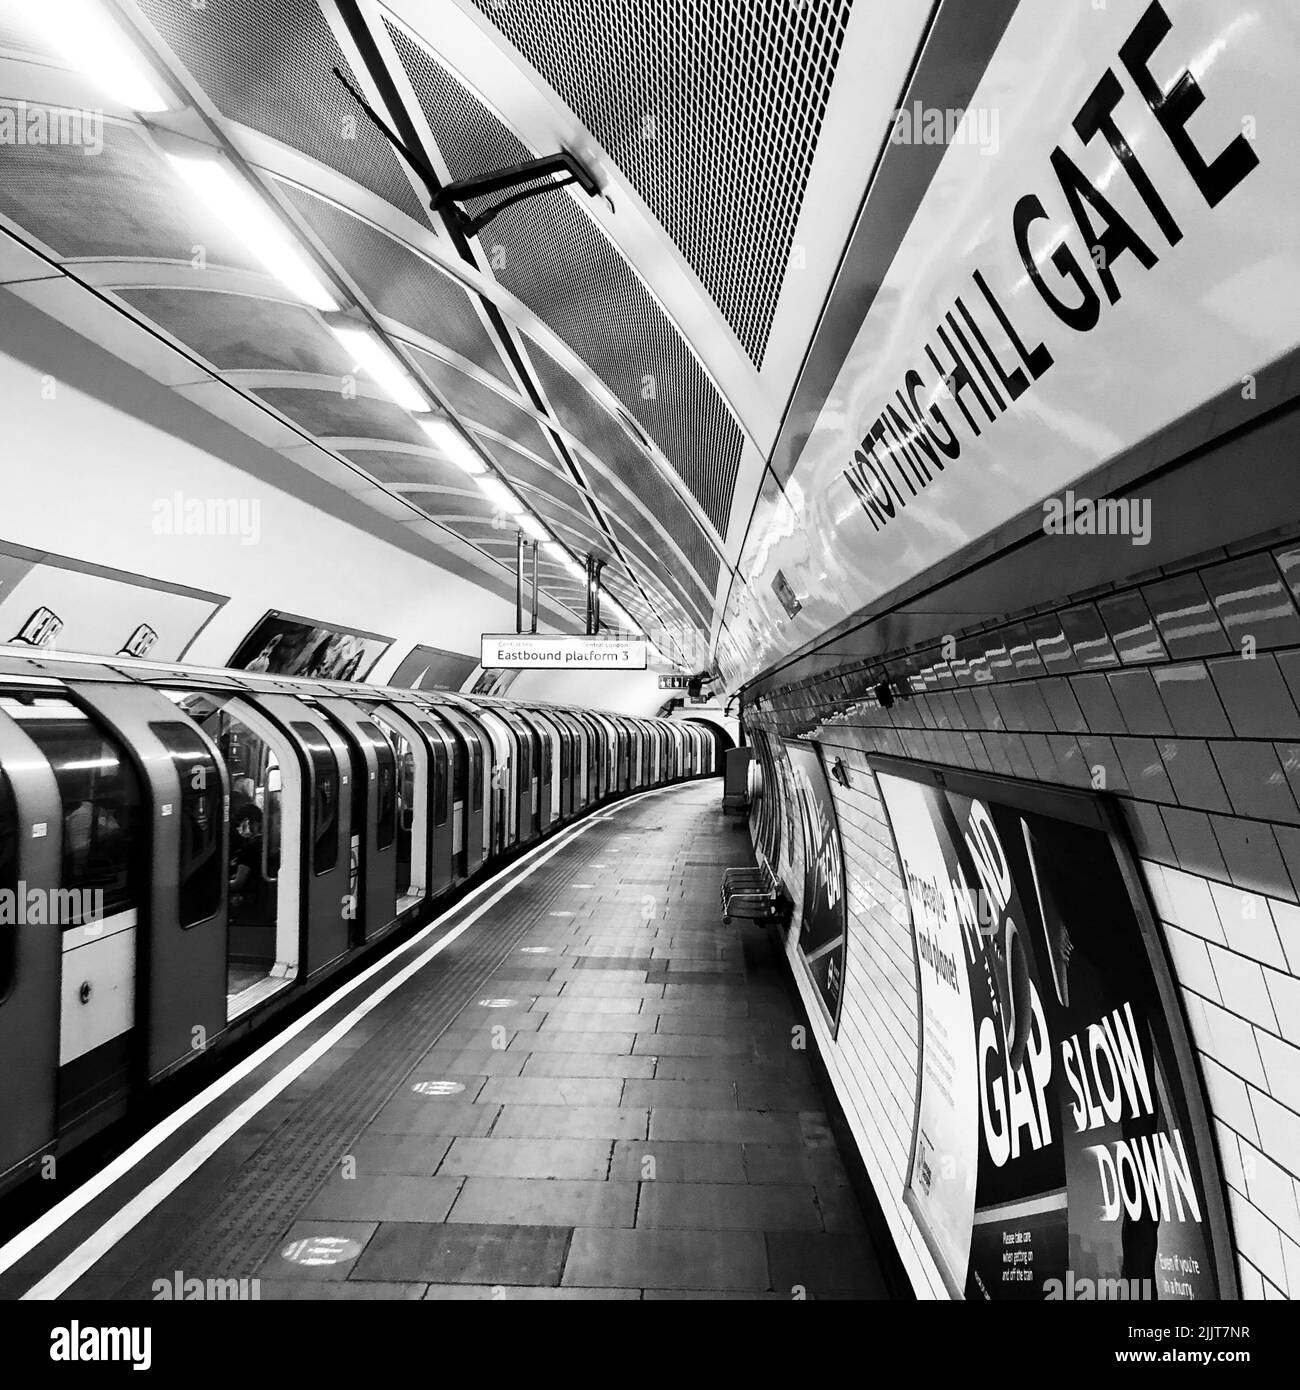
<point x="451" y="444"/>
<point x="532" y="526"/>
<point x="248" y="217"/>
<point x="498" y="494"/>
<point x="380" y="366"/>
<point x="82" y="33"/>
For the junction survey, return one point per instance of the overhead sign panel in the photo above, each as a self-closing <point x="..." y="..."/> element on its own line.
<point x="531" y="651"/>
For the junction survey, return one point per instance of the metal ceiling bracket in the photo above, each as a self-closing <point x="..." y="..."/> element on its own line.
<point x="445" y="199"/>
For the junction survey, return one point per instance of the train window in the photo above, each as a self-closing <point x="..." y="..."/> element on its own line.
<point x="8" y="883"/>
<point x="475" y="771"/>
<point x="101" y="801"/>
<point x="386" y="783"/>
<point x="325" y="797"/>
<point x="201" y="873"/>
<point x="441" y="791"/>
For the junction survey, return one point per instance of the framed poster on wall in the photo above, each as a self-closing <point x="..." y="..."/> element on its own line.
<point x="1060" y="1145"/>
<point x="823" y="920"/>
<point x="283" y="644"/>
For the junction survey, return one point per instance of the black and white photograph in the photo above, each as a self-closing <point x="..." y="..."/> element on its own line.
<point x="649" y="654"/>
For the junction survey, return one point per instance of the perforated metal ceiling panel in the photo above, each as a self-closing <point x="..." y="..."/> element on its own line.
<point x="240" y="332"/>
<point x="122" y="200"/>
<point x="326" y="415"/>
<point x="269" y="64"/>
<point x="399" y="282"/>
<point x="557" y="261"/>
<point x="585" y="419"/>
<point x="711" y="109"/>
<point x="644" y="559"/>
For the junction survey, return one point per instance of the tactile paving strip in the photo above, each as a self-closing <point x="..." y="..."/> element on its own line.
<point x="234" y="1230"/>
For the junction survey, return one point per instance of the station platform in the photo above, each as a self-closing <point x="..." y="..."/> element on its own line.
<point x="576" y="1084"/>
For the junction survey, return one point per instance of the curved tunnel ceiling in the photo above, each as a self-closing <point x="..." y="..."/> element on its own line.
<point x="618" y="368"/>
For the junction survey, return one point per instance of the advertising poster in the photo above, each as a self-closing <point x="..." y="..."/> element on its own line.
<point x="823" y="922"/>
<point x="60" y="605"/>
<point x="284" y="645"/>
<point x="768" y="815"/>
<point x="788" y="804"/>
<point x="432" y="668"/>
<point x="1060" y="1149"/>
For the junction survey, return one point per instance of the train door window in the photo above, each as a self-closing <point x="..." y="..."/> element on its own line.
<point x="404" y="770"/>
<point x="201" y="870"/>
<point x="8" y="883"/>
<point x="475" y="770"/>
<point x="441" y="789"/>
<point x="325" y="797"/>
<point x="101" y="801"/>
<point x="385" y="782"/>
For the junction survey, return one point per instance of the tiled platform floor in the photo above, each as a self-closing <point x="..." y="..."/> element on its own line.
<point x="631" y="1119"/>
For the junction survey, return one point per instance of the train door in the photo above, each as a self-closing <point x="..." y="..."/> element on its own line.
<point x="637" y="779"/>
<point x="569" y="764"/>
<point x="373" y="820"/>
<point x="329" y="888"/>
<point x="29" y="949"/>
<point x="472" y="825"/>
<point x="444" y="803"/>
<point x="604" y="755"/>
<point x="264" y="820"/>
<point x="181" y="938"/>
<point x="92" y="902"/>
<point x="417" y="766"/>
<point x="596" y="737"/>
<point x="529" y="777"/>
<point x="499" y="742"/>
<point x="548" y="772"/>
<point x="673" y="736"/>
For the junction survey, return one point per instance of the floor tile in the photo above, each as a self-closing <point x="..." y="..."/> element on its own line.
<point x="464" y="1254"/>
<point x="677" y="1161"/>
<point x="553" y="1090"/>
<point x="383" y="1197"/>
<point x="570" y="1122"/>
<point x="727" y="1206"/>
<point x="666" y="1259"/>
<point x="822" y="1263"/>
<point x="546" y="1202"/>
<point x="528" y="1158"/>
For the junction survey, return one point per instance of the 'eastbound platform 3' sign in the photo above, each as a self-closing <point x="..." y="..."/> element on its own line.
<point x="535" y="651"/>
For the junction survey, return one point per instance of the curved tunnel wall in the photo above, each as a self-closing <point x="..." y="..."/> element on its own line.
<point x="1191" y="728"/>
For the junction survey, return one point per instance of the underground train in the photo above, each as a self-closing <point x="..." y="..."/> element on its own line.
<point x="183" y="851"/>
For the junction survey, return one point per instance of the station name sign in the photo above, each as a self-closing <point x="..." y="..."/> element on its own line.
<point x="530" y="651"/>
